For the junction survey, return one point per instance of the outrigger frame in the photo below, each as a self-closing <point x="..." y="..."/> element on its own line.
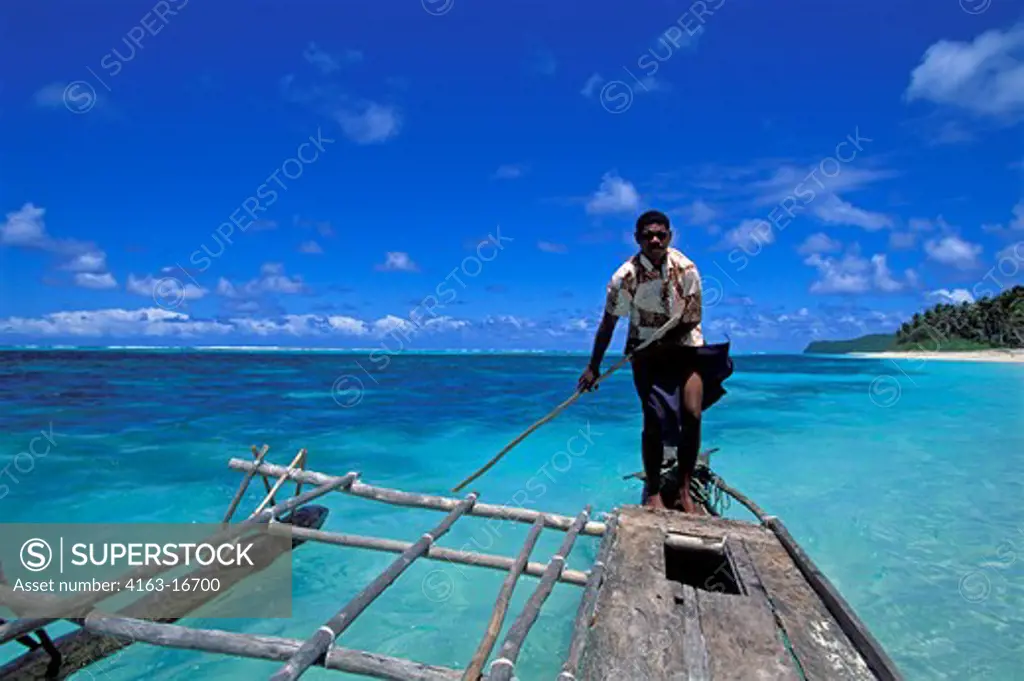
<point x="101" y="635"/>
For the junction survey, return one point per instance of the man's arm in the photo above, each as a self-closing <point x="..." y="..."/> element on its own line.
<point x="617" y="304"/>
<point x="602" y="339"/>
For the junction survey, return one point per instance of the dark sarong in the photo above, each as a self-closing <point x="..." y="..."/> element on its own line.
<point x="659" y="374"/>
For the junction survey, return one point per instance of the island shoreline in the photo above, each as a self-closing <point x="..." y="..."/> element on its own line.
<point x="1008" y="356"/>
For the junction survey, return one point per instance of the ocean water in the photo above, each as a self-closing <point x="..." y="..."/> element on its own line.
<point x="904" y="481"/>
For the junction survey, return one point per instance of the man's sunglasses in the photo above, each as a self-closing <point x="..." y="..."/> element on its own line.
<point x="660" y="235"/>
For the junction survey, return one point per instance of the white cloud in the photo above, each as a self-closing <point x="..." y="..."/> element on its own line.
<point x="798" y="189"/>
<point x="615" y="195"/>
<point x="272" y="280"/>
<point x="549" y="247"/>
<point x="984" y="77"/>
<point x="749" y="235"/>
<point x="510" y="171"/>
<point x="834" y="210"/>
<point x="327" y="62"/>
<point x="93" y="280"/>
<point x="397" y="261"/>
<point x="25" y="228"/>
<point x="902" y="240"/>
<point x="1015" y="225"/>
<point x="882" y="277"/>
<point x="953" y="251"/>
<point x="321" y="59"/>
<point x="854" y="274"/>
<point x="847" y="275"/>
<point x="819" y="243"/>
<point x="59" y="94"/>
<point x="518" y="323"/>
<point x="112" y="322"/>
<point x="165" y="287"/>
<point x="369" y="122"/>
<point x="310" y="247"/>
<point x="955" y="296"/>
<point x="90" y="261"/>
<point x="159" y="322"/>
<point x="697" y="213"/>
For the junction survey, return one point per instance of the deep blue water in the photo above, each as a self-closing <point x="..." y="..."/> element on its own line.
<point x="904" y="482"/>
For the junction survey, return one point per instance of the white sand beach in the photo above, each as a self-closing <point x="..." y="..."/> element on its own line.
<point x="1007" y="356"/>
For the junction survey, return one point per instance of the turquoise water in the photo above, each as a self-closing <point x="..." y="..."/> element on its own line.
<point x="904" y="482"/>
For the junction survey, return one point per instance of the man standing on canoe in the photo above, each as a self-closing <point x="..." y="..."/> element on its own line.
<point x="677" y="376"/>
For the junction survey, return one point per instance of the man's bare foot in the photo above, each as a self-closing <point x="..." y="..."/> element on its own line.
<point x="654" y="501"/>
<point x="686" y="501"/>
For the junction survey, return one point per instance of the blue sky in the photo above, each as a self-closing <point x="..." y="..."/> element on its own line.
<point x="448" y="174"/>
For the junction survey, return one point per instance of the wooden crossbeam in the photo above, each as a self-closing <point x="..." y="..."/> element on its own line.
<point x="585" y="612"/>
<point x="479" y="659"/>
<point x="439" y="553"/>
<point x="501" y="668"/>
<point x="296" y="463"/>
<point x="318" y="644"/>
<point x="244" y="485"/>
<point x="264" y="648"/>
<point x="412" y="499"/>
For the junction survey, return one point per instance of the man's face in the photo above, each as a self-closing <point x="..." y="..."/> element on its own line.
<point x="654" y="240"/>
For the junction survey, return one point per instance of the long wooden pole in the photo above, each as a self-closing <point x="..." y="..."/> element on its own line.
<point x="318" y="644"/>
<point x="245" y="483"/>
<point x="264" y="648"/>
<point x="502" y="666"/>
<point x="585" y="613"/>
<point x="437" y="503"/>
<point x="284" y="477"/>
<point x="658" y="335"/>
<point x="438" y="553"/>
<point x="479" y="659"/>
<point x="16" y="628"/>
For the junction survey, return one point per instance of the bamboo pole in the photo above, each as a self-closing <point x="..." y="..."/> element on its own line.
<point x="245" y="483"/>
<point x="655" y="337"/>
<point x="437" y="503"/>
<point x="479" y="659"/>
<point x="86" y="602"/>
<point x="501" y="668"/>
<point x="284" y="477"/>
<point x="438" y="553"/>
<point x="588" y="602"/>
<point x="318" y="644"/>
<point x="302" y="466"/>
<point x="273" y="648"/>
<point x="266" y="483"/>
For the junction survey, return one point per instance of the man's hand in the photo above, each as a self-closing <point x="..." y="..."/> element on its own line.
<point x="587" y="379"/>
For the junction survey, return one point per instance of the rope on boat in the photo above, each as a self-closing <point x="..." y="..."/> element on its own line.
<point x="658" y="335"/>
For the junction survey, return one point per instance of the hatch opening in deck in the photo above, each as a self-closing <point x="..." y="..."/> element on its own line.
<point x="702" y="567"/>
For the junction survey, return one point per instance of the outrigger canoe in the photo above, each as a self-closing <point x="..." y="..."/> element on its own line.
<point x="670" y="596"/>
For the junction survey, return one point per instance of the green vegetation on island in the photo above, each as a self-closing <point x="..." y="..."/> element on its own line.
<point x="986" y="324"/>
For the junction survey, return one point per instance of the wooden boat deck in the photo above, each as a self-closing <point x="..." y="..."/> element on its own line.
<point x="688" y="597"/>
<point x="669" y="597"/>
